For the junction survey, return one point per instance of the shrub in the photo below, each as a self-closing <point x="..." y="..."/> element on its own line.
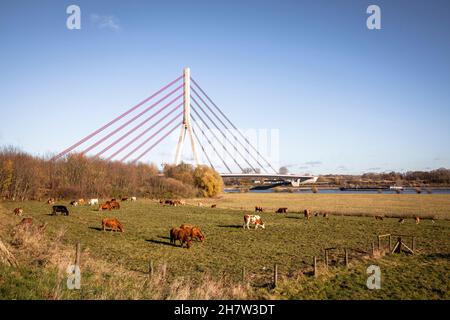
<point x="208" y="181"/>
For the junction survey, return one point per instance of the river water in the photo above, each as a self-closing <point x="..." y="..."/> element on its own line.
<point x="337" y="191"/>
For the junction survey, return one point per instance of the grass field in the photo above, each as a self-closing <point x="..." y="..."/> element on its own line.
<point x="424" y="205"/>
<point x="288" y="240"/>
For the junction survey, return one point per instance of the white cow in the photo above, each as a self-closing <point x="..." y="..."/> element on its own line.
<point x="93" y="202"/>
<point x="133" y="199"/>
<point x="253" y="219"/>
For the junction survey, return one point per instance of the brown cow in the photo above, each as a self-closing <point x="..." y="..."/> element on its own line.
<point x="193" y="231"/>
<point x="124" y="199"/>
<point x="378" y="217"/>
<point x="417" y="218"/>
<point x="325" y="215"/>
<point x="114" y="205"/>
<point x="81" y="202"/>
<point x="281" y="210"/>
<point x="105" y="206"/>
<point x="307" y="214"/>
<point x="25" y="223"/>
<point x="182" y="235"/>
<point x="214" y="206"/>
<point x="28" y="223"/>
<point x="18" y="211"/>
<point x="113" y="224"/>
<point x="258" y="209"/>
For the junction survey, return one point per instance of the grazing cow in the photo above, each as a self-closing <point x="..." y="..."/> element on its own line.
<point x="133" y="199"/>
<point x="378" y="217"/>
<point x="81" y="202"/>
<point x="25" y="223"/>
<point x="316" y="214"/>
<point x="258" y="209"/>
<point x="169" y="202"/>
<point x="182" y="235"/>
<point x="417" y="219"/>
<point x="193" y="232"/>
<point x="325" y="215"/>
<point x="281" y="210"/>
<point x="18" y="211"/>
<point x="307" y="214"/>
<point x="114" y="205"/>
<point x="105" y="206"/>
<point x="113" y="224"/>
<point x="51" y="201"/>
<point x="60" y="209"/>
<point x="93" y="202"/>
<point x="112" y="200"/>
<point x="74" y="203"/>
<point x="401" y="220"/>
<point x="214" y="206"/>
<point x="124" y="199"/>
<point x="253" y="219"/>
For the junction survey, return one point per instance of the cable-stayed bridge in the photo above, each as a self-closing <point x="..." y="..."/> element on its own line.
<point x="181" y="104"/>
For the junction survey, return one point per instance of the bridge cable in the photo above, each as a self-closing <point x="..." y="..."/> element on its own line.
<point x="63" y="153"/>
<point x="226" y="138"/>
<point x="229" y="121"/>
<point x="211" y="144"/>
<point x="201" y="146"/>
<point x="143" y="132"/>
<point x="234" y="136"/>
<point x="151" y="137"/>
<point x="133" y="119"/>
<point x="157" y="142"/>
<point x="223" y="146"/>
<point x="137" y="127"/>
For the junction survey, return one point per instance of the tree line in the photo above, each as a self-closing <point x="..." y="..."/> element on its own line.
<point x="27" y="177"/>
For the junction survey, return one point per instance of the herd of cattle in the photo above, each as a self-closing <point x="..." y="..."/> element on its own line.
<point x="185" y="234"/>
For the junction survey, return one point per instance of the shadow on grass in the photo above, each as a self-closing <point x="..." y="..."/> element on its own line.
<point x="434" y="256"/>
<point x="101" y="229"/>
<point x="161" y="242"/>
<point x="236" y="226"/>
<point x="96" y="228"/>
<point x="292" y="217"/>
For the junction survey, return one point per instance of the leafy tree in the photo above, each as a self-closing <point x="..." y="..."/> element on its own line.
<point x="208" y="181"/>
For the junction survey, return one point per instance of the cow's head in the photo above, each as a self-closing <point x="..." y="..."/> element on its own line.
<point x="261" y="223"/>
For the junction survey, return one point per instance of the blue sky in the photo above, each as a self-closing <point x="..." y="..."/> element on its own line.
<point x="343" y="98"/>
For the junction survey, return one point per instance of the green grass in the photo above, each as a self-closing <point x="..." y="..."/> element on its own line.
<point x="288" y="240"/>
<point x="425" y="205"/>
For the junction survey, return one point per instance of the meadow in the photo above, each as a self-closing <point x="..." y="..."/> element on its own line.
<point x="115" y="265"/>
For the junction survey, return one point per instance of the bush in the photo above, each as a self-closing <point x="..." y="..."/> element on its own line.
<point x="208" y="181"/>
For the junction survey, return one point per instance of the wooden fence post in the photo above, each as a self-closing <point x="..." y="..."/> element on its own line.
<point x="150" y="268"/>
<point x="346" y="257"/>
<point x="326" y="258"/>
<point x="412" y="244"/>
<point x="275" y="275"/>
<point x="390" y="243"/>
<point x="379" y="244"/>
<point x="373" y="249"/>
<point x="315" y="266"/>
<point x="78" y="255"/>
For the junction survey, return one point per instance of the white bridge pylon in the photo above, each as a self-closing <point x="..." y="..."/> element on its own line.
<point x="186" y="125"/>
